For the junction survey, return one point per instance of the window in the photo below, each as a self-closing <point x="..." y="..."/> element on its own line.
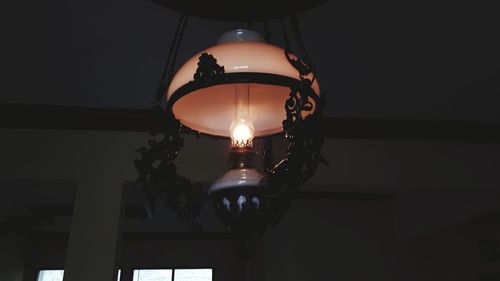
<point x="193" y="275"/>
<point x="199" y="274"/>
<point x="57" y="275"/>
<point x="50" y="275"/>
<point x="152" y="275"/>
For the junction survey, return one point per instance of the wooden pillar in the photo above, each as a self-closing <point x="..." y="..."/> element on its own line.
<point x="95" y="232"/>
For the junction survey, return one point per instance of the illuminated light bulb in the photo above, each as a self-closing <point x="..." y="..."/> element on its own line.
<point x="242" y="130"/>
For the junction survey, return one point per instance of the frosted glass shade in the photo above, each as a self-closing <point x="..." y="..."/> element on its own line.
<point x="210" y="109"/>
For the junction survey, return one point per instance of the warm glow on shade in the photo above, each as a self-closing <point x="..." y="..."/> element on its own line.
<point x="211" y="109"/>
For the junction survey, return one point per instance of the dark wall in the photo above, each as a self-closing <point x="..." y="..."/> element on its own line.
<point x="11" y="259"/>
<point x="49" y="253"/>
<point x="321" y="239"/>
<point x="333" y="240"/>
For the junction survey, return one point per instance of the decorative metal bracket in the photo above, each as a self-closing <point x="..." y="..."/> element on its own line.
<point x="158" y="173"/>
<point x="207" y="68"/>
<point x="303" y="66"/>
<point x="303" y="108"/>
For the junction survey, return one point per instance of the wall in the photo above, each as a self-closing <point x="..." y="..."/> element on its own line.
<point x="333" y="240"/>
<point x="411" y="238"/>
<point x="216" y="254"/>
<point x="460" y="254"/>
<point x="321" y="239"/>
<point x="48" y="251"/>
<point x="11" y="259"/>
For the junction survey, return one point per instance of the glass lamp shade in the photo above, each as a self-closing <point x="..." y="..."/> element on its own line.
<point x="210" y="108"/>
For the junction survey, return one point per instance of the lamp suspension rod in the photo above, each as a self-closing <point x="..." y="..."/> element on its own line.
<point x="294" y="22"/>
<point x="267" y="32"/>
<point x="285" y="35"/>
<point x="176" y="51"/>
<point x="168" y="69"/>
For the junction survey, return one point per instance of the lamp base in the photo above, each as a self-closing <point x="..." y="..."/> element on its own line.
<point x="242" y="209"/>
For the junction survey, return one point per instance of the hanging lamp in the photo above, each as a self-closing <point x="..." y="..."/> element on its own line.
<point x="242" y="88"/>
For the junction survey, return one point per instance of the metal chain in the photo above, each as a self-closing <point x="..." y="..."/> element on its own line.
<point x="285" y="35"/>
<point x="294" y="22"/>
<point x="169" y="66"/>
<point x="267" y="32"/>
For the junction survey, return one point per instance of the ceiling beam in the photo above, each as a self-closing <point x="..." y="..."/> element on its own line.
<point x="145" y="236"/>
<point x="327" y="195"/>
<point x="131" y="212"/>
<point x="26" y="116"/>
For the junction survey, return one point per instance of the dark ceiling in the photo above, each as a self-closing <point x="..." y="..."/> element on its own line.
<point x="434" y="60"/>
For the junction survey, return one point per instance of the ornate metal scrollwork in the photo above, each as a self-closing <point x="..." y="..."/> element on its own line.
<point x="303" y="109"/>
<point x="303" y="66"/>
<point x="158" y="172"/>
<point x="207" y="68"/>
<point x="299" y="104"/>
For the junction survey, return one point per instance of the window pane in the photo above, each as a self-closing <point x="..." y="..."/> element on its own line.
<point x="152" y="275"/>
<point x="57" y="275"/>
<point x="193" y="275"/>
<point x="50" y="275"/>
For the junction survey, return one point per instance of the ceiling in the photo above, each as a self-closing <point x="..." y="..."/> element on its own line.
<point x="434" y="60"/>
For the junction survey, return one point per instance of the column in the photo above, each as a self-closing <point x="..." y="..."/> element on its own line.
<point x="95" y="232"/>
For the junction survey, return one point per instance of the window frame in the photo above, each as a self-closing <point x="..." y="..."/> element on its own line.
<point x="132" y="268"/>
<point x="37" y="271"/>
<point x="173" y="268"/>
